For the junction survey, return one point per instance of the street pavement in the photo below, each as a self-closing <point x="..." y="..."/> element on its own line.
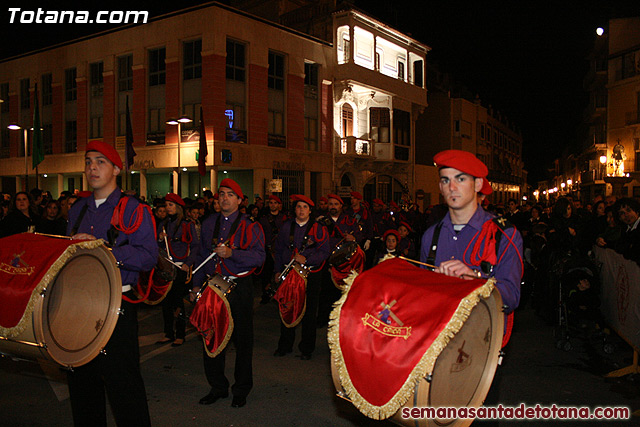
<point x="289" y="391"/>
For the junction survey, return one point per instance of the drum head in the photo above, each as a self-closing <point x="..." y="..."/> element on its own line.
<point x="343" y="253"/>
<point x="464" y="370"/>
<point x="80" y="308"/>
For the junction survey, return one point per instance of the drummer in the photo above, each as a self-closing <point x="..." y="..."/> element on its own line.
<point x="180" y="241"/>
<point x="307" y="241"/>
<point x="362" y="216"/>
<point x="271" y="224"/>
<point x="457" y="250"/>
<point x="239" y="245"/>
<point x="340" y="227"/>
<point x="133" y="243"/>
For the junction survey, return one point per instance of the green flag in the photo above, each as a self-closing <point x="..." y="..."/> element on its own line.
<point x="38" y="146"/>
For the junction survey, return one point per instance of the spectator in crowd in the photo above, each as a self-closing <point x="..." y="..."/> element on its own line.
<point x="21" y="218"/>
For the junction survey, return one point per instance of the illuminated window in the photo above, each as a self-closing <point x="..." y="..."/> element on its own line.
<point x="347" y="120"/>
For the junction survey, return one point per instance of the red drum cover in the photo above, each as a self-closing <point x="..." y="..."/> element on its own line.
<point x="390" y="326"/>
<point x="211" y="316"/>
<point x="292" y="298"/>
<point x="341" y="272"/>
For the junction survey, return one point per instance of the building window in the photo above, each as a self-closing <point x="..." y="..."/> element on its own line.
<point x="192" y="60"/>
<point x="418" y="73"/>
<point x="311" y="133"/>
<point x="235" y="61"/>
<point x="276" y="71"/>
<point x="235" y="131"/>
<point x="347" y="121"/>
<point x="47" y="138"/>
<point x="25" y="101"/>
<point x="401" y="69"/>
<point x="70" y="136"/>
<point x="156" y="120"/>
<point x="70" y="85"/>
<point x="310" y="75"/>
<point x="401" y="134"/>
<point x="157" y="66"/>
<point x="482" y="132"/>
<point x="96" y="127"/>
<point x="47" y="92"/>
<point x="311" y="106"/>
<point x="4" y="95"/>
<point x="379" y="124"/>
<point x="96" y="80"/>
<point x="125" y="73"/>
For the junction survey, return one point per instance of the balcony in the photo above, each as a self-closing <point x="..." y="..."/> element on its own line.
<point x="591" y="176"/>
<point x="352" y="146"/>
<point x="632" y="118"/>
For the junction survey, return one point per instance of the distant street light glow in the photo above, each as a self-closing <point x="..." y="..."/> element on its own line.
<point x="599" y="31"/>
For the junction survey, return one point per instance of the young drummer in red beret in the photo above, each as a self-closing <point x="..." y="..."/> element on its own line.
<point x="128" y="228"/>
<point x="271" y="224"/>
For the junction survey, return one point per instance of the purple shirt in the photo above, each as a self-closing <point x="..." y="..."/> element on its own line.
<point x="316" y="252"/>
<point x="137" y="251"/>
<point x="177" y="244"/>
<point x="452" y="245"/>
<point x="247" y="244"/>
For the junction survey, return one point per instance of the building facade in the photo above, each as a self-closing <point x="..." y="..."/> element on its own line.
<point x="284" y="112"/>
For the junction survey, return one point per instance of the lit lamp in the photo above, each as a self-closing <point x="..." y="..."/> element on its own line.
<point x="15" y="126"/>
<point x="569" y="183"/>
<point x="179" y="122"/>
<point x="562" y="184"/>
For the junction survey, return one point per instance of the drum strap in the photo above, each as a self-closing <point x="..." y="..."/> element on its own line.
<point x="216" y="230"/>
<point x="431" y="258"/>
<point x="292" y="230"/>
<point x="112" y="233"/>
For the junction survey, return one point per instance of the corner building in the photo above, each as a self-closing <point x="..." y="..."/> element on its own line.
<point x="284" y="112"/>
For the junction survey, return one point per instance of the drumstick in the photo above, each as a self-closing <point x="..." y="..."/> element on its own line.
<point x="171" y="261"/>
<point x="434" y="267"/>
<point x="204" y="262"/>
<point x="57" y="236"/>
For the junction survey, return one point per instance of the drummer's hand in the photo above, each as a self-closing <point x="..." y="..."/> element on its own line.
<point x="184" y="267"/>
<point x="349" y="238"/>
<point x="366" y="245"/>
<point x="193" y="294"/>
<point x="300" y="258"/>
<point x="277" y="277"/>
<point x="83" y="236"/>
<point x="223" y="251"/>
<point x="456" y="268"/>
<point x="162" y="235"/>
<point x="601" y="242"/>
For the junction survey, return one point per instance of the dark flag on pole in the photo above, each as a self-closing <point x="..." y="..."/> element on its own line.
<point x="202" y="149"/>
<point x="130" y="153"/>
<point x="38" y="145"/>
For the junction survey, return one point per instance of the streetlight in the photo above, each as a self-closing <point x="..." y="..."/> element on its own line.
<point x="179" y="122"/>
<point x="15" y="126"/>
<point x="569" y="182"/>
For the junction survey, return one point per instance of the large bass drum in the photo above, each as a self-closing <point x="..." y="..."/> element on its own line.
<point x="463" y="370"/>
<point x="72" y="311"/>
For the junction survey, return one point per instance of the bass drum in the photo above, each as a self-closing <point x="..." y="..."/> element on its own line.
<point x="76" y="314"/>
<point x="464" y="370"/>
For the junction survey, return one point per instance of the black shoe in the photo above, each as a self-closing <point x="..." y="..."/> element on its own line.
<point x="304" y="356"/>
<point x="238" y="401"/>
<point x="212" y="397"/>
<point x="165" y="340"/>
<point x="280" y="353"/>
<point x="178" y="342"/>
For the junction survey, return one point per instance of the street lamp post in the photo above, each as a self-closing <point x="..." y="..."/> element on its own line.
<point x="179" y="122"/>
<point x="15" y="126"/>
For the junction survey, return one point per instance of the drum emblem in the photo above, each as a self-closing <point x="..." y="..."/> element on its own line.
<point x="17" y="266"/>
<point x="382" y="322"/>
<point x="462" y="361"/>
<point x="99" y="324"/>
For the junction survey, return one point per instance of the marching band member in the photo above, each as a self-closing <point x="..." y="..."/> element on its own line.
<point x="128" y="227"/>
<point x="361" y="214"/>
<point x="271" y="224"/>
<point x="340" y="227"/>
<point x="391" y="238"/>
<point x="323" y="207"/>
<point x="307" y="241"/>
<point x="458" y="243"/>
<point x="183" y="247"/>
<point x="239" y="246"/>
<point x="406" y="247"/>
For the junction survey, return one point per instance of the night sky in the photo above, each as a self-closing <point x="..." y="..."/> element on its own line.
<point x="525" y="58"/>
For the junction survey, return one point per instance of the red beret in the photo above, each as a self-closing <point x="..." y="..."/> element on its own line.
<point x="378" y="202"/>
<point x="323" y="199"/>
<point x="229" y="183"/>
<point x="335" y="196"/>
<point x="393" y="205"/>
<point x="84" y="194"/>
<point x="356" y="195"/>
<point x="216" y="196"/>
<point x="106" y="150"/>
<point x="391" y="231"/>
<point x="463" y="161"/>
<point x="276" y="198"/>
<point x="173" y="197"/>
<point x="301" y="198"/>
<point x="486" y="187"/>
<point x="406" y="224"/>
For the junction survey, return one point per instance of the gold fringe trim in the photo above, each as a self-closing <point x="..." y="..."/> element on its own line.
<point x="422" y="368"/>
<point x="227" y="336"/>
<point x="304" y="309"/>
<point x="46" y="280"/>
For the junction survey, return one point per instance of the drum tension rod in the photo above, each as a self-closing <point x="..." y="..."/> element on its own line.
<point x="429" y="378"/>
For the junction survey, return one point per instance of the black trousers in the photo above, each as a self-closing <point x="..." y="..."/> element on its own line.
<point x="241" y="303"/>
<point x="329" y="294"/>
<point x="171" y="304"/>
<point x="308" y="340"/>
<point x="118" y="374"/>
